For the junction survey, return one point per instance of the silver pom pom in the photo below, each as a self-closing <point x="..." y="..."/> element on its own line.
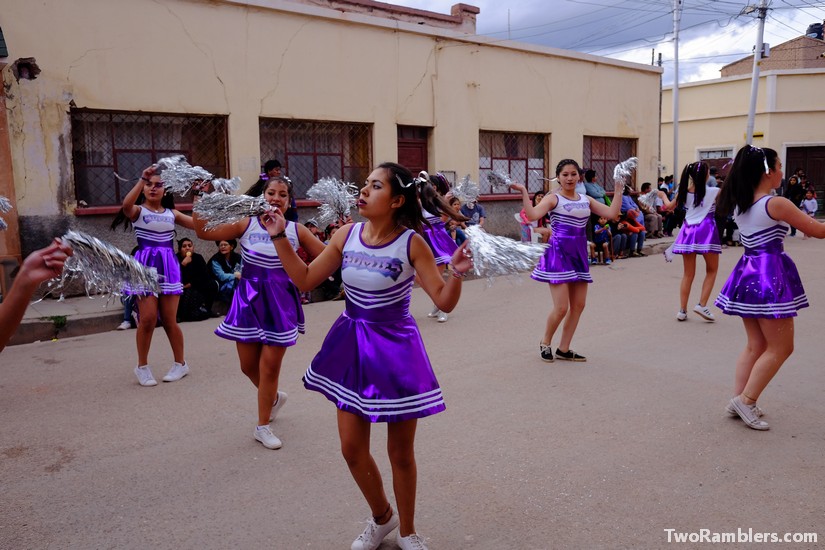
<point x="623" y="171"/>
<point x="336" y="197"/>
<point x="178" y="175"/>
<point x="494" y="255"/>
<point x="466" y="190"/>
<point x="499" y="181"/>
<point x="219" y="208"/>
<point x="5" y="206"/>
<point x="105" y="268"/>
<point x="227" y="186"/>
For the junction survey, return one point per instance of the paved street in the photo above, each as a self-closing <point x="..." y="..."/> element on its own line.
<point x="528" y="455"/>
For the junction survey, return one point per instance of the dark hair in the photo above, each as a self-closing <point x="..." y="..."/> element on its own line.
<point x="750" y="164"/>
<point x="270" y="164"/>
<point x="564" y="163"/>
<point x="432" y="198"/>
<point x="166" y="201"/>
<point x="646" y="185"/>
<point x="536" y="194"/>
<point x="402" y="183"/>
<point x="184" y="240"/>
<point x="439" y="181"/>
<point x="589" y="175"/>
<point x="260" y="186"/>
<point x="698" y="172"/>
<point x="232" y="242"/>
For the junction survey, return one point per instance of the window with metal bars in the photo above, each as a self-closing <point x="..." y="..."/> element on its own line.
<point x="123" y="142"/>
<point x="602" y="154"/>
<point x="310" y="150"/>
<point x="522" y="156"/>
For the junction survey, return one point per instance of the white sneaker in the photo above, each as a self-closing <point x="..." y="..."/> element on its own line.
<point x="267" y="438"/>
<point x="372" y="536"/>
<point x="280" y="402"/>
<point x="412" y="542"/>
<point x="682" y="315"/>
<point x="434" y="313"/>
<point x="125" y="325"/>
<point x="144" y="376"/>
<point x="703" y="312"/>
<point x="748" y="415"/>
<point x="442" y="317"/>
<point x="177" y="372"/>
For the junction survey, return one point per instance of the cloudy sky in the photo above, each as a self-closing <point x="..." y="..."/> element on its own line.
<point x="713" y="32"/>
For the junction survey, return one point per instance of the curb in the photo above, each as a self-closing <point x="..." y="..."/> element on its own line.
<point x="68" y="326"/>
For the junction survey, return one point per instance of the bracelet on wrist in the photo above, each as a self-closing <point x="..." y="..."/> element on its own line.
<point x="455" y="273"/>
<point x="280" y="235"/>
<point x="145" y="179"/>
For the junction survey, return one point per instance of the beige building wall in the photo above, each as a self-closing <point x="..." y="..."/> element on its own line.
<point x="713" y="114"/>
<point x="285" y="59"/>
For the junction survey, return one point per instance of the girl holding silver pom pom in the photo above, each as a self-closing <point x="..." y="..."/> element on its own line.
<point x="265" y="316"/>
<point x="565" y="264"/>
<point x="373" y="364"/>
<point x="151" y="211"/>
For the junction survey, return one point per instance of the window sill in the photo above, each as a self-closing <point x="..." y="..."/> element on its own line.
<point x="104" y="210"/>
<point x="499" y="197"/>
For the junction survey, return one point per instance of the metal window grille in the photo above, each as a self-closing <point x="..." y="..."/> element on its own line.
<point x="602" y="154"/>
<point x="122" y="142"/>
<point x="311" y="150"/>
<point x="522" y="156"/>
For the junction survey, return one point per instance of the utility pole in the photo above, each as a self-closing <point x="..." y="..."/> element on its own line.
<point x="677" y="15"/>
<point x="659" y="148"/>
<point x="757" y="57"/>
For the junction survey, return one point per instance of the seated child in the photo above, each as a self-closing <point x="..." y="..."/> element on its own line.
<point x="602" y="237"/>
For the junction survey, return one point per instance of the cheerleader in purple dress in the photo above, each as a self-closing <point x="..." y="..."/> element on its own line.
<point x="764" y="287"/>
<point x="435" y="208"/>
<point x="152" y="213"/>
<point x="265" y="316"/>
<point x="697" y="236"/>
<point x="373" y="364"/>
<point x="565" y="264"/>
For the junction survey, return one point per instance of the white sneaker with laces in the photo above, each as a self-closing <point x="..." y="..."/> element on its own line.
<point x="280" y="402"/>
<point x="144" y="376"/>
<point x="267" y="438"/>
<point x="372" y="536"/>
<point x="755" y="408"/>
<point x="748" y="415"/>
<point x="442" y="317"/>
<point x="177" y="372"/>
<point x="703" y="312"/>
<point x="125" y="325"/>
<point x="412" y="542"/>
<point x="434" y="313"/>
<point x="682" y="315"/>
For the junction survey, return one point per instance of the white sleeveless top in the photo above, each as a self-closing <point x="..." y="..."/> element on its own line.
<point x="257" y="248"/>
<point x="155" y="228"/>
<point x="696" y="214"/>
<point x="368" y="268"/>
<point x="754" y="223"/>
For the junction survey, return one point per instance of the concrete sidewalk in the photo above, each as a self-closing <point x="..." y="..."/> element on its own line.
<point x="50" y="318"/>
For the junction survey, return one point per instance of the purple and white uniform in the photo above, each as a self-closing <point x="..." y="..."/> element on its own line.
<point x="155" y="232"/>
<point x="266" y="307"/>
<point x="566" y="260"/>
<point x="439" y="240"/>
<point x="699" y="234"/>
<point x="373" y="362"/>
<point x="764" y="282"/>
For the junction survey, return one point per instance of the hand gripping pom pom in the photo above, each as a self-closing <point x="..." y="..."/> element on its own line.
<point x="623" y="171"/>
<point x="336" y="197"/>
<point x="178" y="175"/>
<point x="494" y="255"/>
<point x="105" y="268"/>
<point x="466" y="190"/>
<point x="218" y="209"/>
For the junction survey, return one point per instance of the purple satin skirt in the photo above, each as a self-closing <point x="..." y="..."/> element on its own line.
<point x="764" y="284"/>
<point x="440" y="242"/>
<point x="163" y="259"/>
<point x="266" y="309"/>
<point x="565" y="260"/>
<point x="702" y="238"/>
<point x="373" y="364"/>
